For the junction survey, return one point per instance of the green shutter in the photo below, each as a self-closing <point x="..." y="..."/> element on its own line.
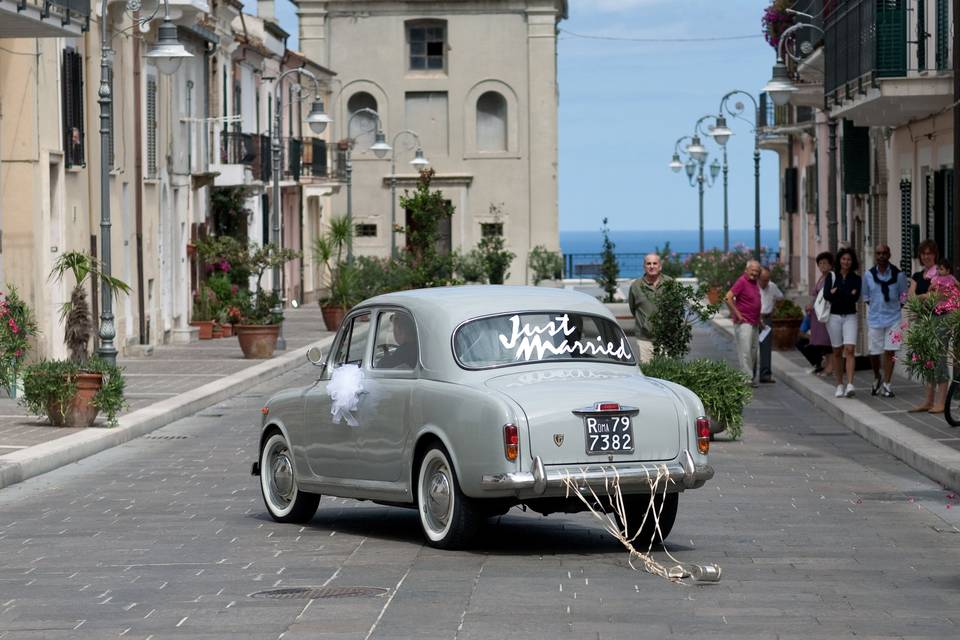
<point x="943" y="34"/>
<point x="891" y="39"/>
<point x="855" y="155"/>
<point x="906" y="231"/>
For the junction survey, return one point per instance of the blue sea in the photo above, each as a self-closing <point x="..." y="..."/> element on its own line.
<point x="681" y="241"/>
<point x="582" y="249"/>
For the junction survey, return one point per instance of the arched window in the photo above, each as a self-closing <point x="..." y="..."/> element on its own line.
<point x="364" y="126"/>
<point x="491" y="122"/>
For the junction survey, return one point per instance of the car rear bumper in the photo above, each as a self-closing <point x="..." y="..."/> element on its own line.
<point x="684" y="474"/>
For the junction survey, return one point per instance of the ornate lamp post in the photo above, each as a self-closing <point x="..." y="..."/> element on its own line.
<point x="696" y="159"/>
<point x="318" y="121"/>
<point x="418" y="162"/>
<point x="380" y="149"/>
<point x="167" y="54"/>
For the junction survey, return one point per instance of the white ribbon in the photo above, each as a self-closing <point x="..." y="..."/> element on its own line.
<point x="345" y="388"/>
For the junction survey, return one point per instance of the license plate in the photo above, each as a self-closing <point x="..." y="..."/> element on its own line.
<point x="608" y="434"/>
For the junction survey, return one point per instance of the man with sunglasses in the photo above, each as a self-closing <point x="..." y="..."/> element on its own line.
<point x="884" y="290"/>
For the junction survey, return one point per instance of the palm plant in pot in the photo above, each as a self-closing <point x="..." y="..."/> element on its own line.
<point x="261" y="311"/>
<point x="341" y="281"/>
<point x="72" y="392"/>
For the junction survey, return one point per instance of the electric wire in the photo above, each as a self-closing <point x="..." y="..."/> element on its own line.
<point x="660" y="40"/>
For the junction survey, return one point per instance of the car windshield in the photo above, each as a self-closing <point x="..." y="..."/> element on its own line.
<point x="537" y="337"/>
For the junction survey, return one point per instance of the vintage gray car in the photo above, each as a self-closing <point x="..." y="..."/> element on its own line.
<point x="463" y="402"/>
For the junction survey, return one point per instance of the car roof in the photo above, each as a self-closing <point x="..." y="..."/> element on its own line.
<point x="458" y="304"/>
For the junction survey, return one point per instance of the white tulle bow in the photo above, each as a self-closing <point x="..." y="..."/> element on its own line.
<point x="345" y="388"/>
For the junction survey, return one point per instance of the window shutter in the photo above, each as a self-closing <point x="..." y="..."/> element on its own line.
<point x="151" y="127"/>
<point x="906" y="231"/>
<point x="295" y="159"/>
<point x="856" y="158"/>
<point x="318" y="163"/>
<point x="73" y="134"/>
<point x="922" y="35"/>
<point x="790" y="177"/>
<point x="930" y="204"/>
<point x="943" y="34"/>
<point x="948" y="199"/>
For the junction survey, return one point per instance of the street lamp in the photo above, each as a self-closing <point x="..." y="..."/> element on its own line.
<point x="167" y="53"/>
<point x="418" y="162"/>
<point x="380" y="149"/>
<point x="722" y="133"/>
<point x="781" y="87"/>
<point x="696" y="159"/>
<point x="317" y="120"/>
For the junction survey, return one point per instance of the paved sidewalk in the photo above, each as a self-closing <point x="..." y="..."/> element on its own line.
<point x="176" y="380"/>
<point x="922" y="440"/>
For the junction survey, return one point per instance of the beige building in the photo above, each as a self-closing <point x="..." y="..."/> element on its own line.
<point x="477" y="82"/>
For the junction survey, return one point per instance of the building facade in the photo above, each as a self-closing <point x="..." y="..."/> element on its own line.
<point x="476" y="82"/>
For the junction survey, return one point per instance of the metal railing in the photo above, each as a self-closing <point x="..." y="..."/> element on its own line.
<point x="588" y="265"/>
<point x="772" y="115"/>
<point x="866" y="40"/>
<point x="312" y="158"/>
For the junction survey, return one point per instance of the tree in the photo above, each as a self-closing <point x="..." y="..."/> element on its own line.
<point x="426" y="210"/>
<point x="671" y="325"/>
<point x="609" y="268"/>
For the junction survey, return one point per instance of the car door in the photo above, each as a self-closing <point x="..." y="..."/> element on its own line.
<point x="384" y="414"/>
<point x="331" y="447"/>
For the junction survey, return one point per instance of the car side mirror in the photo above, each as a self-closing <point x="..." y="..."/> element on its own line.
<point x="315" y="356"/>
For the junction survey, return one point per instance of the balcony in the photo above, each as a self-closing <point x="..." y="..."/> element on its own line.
<point x="44" y="18"/>
<point x="887" y="61"/>
<point x="244" y="159"/>
<point x="310" y="159"/>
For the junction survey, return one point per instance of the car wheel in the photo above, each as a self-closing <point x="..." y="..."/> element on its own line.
<point x="448" y="517"/>
<point x="636" y="506"/>
<point x="283" y="498"/>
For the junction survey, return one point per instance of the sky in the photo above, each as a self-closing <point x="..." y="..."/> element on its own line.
<point x="623" y="104"/>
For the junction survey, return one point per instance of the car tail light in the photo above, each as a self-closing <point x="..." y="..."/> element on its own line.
<point x="608" y="406"/>
<point x="703" y="435"/>
<point x="511" y="442"/>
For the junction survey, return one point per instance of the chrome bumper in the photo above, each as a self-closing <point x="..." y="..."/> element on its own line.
<point x="684" y="473"/>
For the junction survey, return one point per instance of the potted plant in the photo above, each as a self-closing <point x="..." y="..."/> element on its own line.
<point x="204" y="315"/>
<point x="469" y="267"/>
<point x="785" y="321"/>
<point x="17" y="326"/>
<point x="545" y="266"/>
<point x="261" y="311"/>
<point x="678" y="307"/>
<point x="72" y="392"/>
<point x="723" y="389"/>
<point x="328" y="251"/>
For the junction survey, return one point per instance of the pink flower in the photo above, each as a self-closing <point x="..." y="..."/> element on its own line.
<point x="928" y="364"/>
<point x="915" y="358"/>
<point x="18" y="353"/>
<point x="897" y="337"/>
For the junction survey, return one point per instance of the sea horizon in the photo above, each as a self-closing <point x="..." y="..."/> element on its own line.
<point x="681" y="240"/>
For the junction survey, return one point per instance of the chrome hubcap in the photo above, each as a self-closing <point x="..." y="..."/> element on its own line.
<point x="281" y="474"/>
<point x="437" y="495"/>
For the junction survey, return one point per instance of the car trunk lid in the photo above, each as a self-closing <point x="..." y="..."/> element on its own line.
<point x="561" y="405"/>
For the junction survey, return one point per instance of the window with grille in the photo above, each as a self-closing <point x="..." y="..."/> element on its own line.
<point x="906" y="221"/>
<point x="489" y="229"/>
<point x="73" y="135"/>
<point x="151" y="129"/>
<point x="365" y="230"/>
<point x="426" y="42"/>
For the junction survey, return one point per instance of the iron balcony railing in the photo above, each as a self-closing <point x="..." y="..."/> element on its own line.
<point x="312" y="158"/>
<point x="866" y="40"/>
<point x="250" y="149"/>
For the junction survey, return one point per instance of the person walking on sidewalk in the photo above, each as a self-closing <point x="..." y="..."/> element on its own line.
<point x="884" y="289"/>
<point x="642" y="300"/>
<point x="819" y="351"/>
<point x="769" y="294"/>
<point x="743" y="300"/>
<point x="842" y="290"/>
<point x="920" y="282"/>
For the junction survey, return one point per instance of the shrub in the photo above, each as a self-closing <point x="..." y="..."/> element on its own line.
<point x="17" y="325"/>
<point x="54" y="382"/>
<point x="426" y="209"/>
<point x="496" y="258"/>
<point x="671" y="325"/>
<point x="723" y="389"/>
<point x="374" y="276"/>
<point x="670" y="263"/>
<point x="544" y="264"/>
<point x="469" y="266"/>
<point x="787" y="310"/>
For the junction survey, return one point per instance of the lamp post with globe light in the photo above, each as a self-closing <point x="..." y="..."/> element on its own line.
<point x="317" y="121"/>
<point x="380" y="149"/>
<point x="697" y="157"/>
<point x="419" y="162"/>
<point x="167" y="53"/>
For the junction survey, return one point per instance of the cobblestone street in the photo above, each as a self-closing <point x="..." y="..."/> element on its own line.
<point x="819" y="535"/>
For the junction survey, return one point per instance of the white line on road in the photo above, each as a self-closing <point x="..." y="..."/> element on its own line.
<point x="182" y="620"/>
<point x="387" y="604"/>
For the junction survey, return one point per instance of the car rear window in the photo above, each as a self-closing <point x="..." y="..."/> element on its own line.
<point x="519" y="338"/>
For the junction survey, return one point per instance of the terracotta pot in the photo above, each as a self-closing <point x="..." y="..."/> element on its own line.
<point x="785" y="332"/>
<point x="257" y="341"/>
<point x="206" y="328"/>
<point x="713" y="295"/>
<point x="80" y="411"/>
<point x="227" y="330"/>
<point x="333" y="316"/>
<point x="217" y="330"/>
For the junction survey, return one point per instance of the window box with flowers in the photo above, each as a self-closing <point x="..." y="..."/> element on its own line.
<point x="17" y="326"/>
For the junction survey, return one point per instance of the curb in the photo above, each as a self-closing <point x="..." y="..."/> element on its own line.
<point x="33" y="461"/>
<point x="926" y="455"/>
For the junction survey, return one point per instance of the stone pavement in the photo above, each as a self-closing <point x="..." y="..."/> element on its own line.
<point x="172" y="382"/>
<point x="924" y="441"/>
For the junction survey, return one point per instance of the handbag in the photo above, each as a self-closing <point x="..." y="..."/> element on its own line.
<point x="821" y="306"/>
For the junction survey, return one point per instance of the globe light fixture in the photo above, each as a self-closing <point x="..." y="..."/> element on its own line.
<point x="691" y="168"/>
<point x="714" y="168"/>
<point x="317" y="119"/>
<point x="721" y="132"/>
<point x="380" y="147"/>
<point x="780" y="87"/>
<point x="696" y="150"/>
<point x="675" y="165"/>
<point x="419" y="162"/>
<point x="167" y="53"/>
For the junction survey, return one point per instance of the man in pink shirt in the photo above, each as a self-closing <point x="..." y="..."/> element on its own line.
<point x="743" y="299"/>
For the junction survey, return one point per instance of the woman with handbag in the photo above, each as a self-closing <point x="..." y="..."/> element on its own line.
<point x="920" y="287"/>
<point x="819" y="346"/>
<point x="842" y="291"/>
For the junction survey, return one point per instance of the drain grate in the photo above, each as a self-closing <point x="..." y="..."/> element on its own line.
<point x="315" y="593"/>
<point x="169" y="437"/>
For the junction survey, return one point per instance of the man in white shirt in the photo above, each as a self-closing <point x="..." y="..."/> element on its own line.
<point x="769" y="294"/>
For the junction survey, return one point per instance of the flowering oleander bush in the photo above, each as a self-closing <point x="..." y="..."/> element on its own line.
<point x="932" y="330"/>
<point x="17" y="325"/>
<point x="718" y="269"/>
